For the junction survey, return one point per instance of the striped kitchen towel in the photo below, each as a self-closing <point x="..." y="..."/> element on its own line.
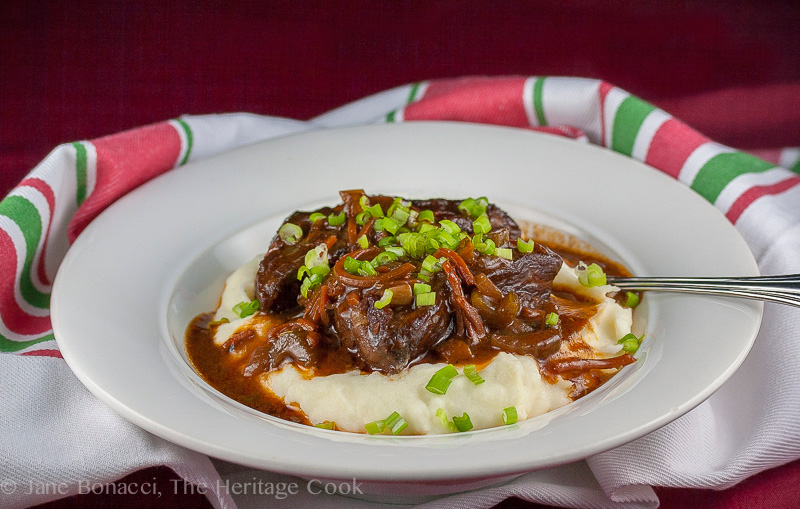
<point x="716" y="445"/>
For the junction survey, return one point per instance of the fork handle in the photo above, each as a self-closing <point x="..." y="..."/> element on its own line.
<point x="783" y="289"/>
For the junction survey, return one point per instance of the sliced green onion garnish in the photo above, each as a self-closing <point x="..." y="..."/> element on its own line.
<point x="441" y="380"/>
<point x="510" y="415"/>
<point x="337" y="219"/>
<point x="362" y="218"/>
<point x="446" y="422"/>
<point x="483" y="245"/>
<point x="427" y="227"/>
<point x="322" y="270"/>
<point x="421" y="288"/>
<point x="325" y="425"/>
<point x="504" y="252"/>
<point x="471" y="372"/>
<point x="425" y="215"/>
<point x="302" y="271"/>
<point x="384" y="258"/>
<point x="446" y="239"/>
<point x="395" y="423"/>
<point x="364" y="202"/>
<point x="424" y="276"/>
<point x="385" y="299"/>
<point x="591" y="276"/>
<point x="375" y="427"/>
<point x="630" y="343"/>
<point x="449" y="371"/>
<point x="426" y="299"/>
<point x="429" y="264"/>
<point x="245" y="309"/>
<point x="317" y="256"/>
<point x="482" y="224"/>
<point x="351" y="265"/>
<point x="376" y="211"/>
<point x="290" y="233"/>
<point x="463" y="423"/>
<point x="632" y="299"/>
<point x="316" y="216"/>
<point x="438" y="384"/>
<point x="387" y="241"/>
<point x="525" y="246"/>
<point x="449" y="226"/>
<point x="219" y="322"/>
<point x="397" y="250"/>
<point x="551" y="319"/>
<point x="363" y="242"/>
<point x="391" y="225"/>
<point x="400" y="215"/>
<point x="366" y="269"/>
<point x="474" y="207"/>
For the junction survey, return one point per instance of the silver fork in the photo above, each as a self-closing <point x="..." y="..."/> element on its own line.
<point x="783" y="289"/>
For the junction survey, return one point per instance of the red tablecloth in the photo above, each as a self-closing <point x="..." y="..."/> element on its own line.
<point x="82" y="69"/>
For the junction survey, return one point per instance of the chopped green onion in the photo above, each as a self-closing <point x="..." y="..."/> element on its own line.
<point x="447" y="239"/>
<point x="337" y="219"/>
<point x="630" y="343"/>
<point x="429" y="264"/>
<point x="590" y="276"/>
<point x="424" y="276"/>
<point x="322" y="270"/>
<point x="504" y="252"/>
<point x="363" y="242"/>
<point x="375" y="427"/>
<point x="632" y="299"/>
<point x="325" y="425"/>
<point x="310" y="283"/>
<point x="302" y="271"/>
<point x="427" y="227"/>
<point x="474" y="207"/>
<point x="525" y="246"/>
<point x="362" y="218"/>
<point x="441" y="380"/>
<point x="384" y="258"/>
<point x="290" y="233"/>
<point x="463" y="423"/>
<point x="421" y="288"/>
<point x="471" y="372"/>
<point x="245" y="309"/>
<point x="387" y="241"/>
<point x="385" y="299"/>
<point x="376" y="211"/>
<point x="401" y="216"/>
<point x="510" y="415"/>
<point x="438" y="384"/>
<point x="366" y="269"/>
<point x="551" y="319"/>
<point x="351" y="265"/>
<point x="425" y="215"/>
<point x="449" y="371"/>
<point x="449" y="226"/>
<point x="482" y="224"/>
<point x="219" y="322"/>
<point x="397" y="250"/>
<point x="426" y="299"/>
<point x="391" y="225"/>
<point x="317" y="256"/>
<point x="483" y="245"/>
<point x="316" y="216"/>
<point x="364" y="202"/>
<point x="446" y="422"/>
<point x="395" y="423"/>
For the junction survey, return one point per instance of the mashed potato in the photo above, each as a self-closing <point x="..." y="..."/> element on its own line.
<point x="353" y="399"/>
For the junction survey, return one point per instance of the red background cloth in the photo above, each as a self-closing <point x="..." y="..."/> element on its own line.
<point x="82" y="69"/>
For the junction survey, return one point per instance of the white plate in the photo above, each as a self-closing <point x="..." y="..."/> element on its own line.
<point x="158" y="257"/>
